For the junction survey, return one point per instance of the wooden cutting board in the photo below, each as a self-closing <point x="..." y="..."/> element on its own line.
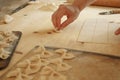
<point x="87" y="66"/>
<point x="31" y="19"/>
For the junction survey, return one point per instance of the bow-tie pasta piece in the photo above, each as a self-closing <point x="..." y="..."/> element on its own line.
<point x="44" y="62"/>
<point x="63" y="67"/>
<point x="18" y="75"/>
<point x="1" y="38"/>
<point x="46" y="54"/>
<point x="56" y="61"/>
<point x="3" y="44"/>
<point x="4" y="54"/>
<point x="14" y="73"/>
<point x="57" y="31"/>
<point x="32" y="68"/>
<point x="57" y="76"/>
<point x="67" y="56"/>
<point x="35" y="58"/>
<point x="60" y="65"/>
<point x="43" y="77"/>
<point x="7" y="34"/>
<point x="24" y="77"/>
<point x="46" y="70"/>
<point x="10" y="39"/>
<point x="61" y="51"/>
<point x="39" y="49"/>
<point x="23" y="64"/>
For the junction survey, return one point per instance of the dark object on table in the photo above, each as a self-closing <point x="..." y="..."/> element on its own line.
<point x="110" y="12"/>
<point x="5" y="62"/>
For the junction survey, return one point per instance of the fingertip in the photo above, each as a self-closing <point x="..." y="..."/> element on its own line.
<point x="117" y="32"/>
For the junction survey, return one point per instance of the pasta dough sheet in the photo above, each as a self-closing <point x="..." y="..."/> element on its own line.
<point x="99" y="31"/>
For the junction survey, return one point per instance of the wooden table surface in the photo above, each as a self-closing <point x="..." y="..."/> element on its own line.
<point x="31" y="19"/>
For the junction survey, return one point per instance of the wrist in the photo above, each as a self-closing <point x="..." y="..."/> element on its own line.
<point x="81" y="4"/>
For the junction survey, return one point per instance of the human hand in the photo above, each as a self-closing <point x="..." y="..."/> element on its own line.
<point x="117" y="32"/>
<point x="70" y="11"/>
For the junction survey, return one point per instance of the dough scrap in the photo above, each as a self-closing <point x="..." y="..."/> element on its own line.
<point x="4" y="54"/>
<point x="57" y="76"/>
<point x="8" y="19"/>
<point x="48" y="7"/>
<point x="67" y="56"/>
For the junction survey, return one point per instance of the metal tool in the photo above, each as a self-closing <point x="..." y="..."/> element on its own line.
<point x="110" y="12"/>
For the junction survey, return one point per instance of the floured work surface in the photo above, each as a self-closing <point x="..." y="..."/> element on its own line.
<point x="99" y="31"/>
<point x="77" y="65"/>
<point x="8" y="44"/>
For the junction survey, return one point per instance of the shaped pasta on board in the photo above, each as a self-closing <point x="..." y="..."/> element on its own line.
<point x="46" y="70"/>
<point x="67" y="56"/>
<point x="14" y="73"/>
<point x="61" y="51"/>
<point x="56" y="61"/>
<point x="46" y="54"/>
<point x="35" y="58"/>
<point x="18" y="75"/>
<point x="57" y="76"/>
<point x="63" y="67"/>
<point x="32" y="68"/>
<point x="43" y="65"/>
<point x="4" y="54"/>
<point x="44" y="62"/>
<point x="39" y="49"/>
